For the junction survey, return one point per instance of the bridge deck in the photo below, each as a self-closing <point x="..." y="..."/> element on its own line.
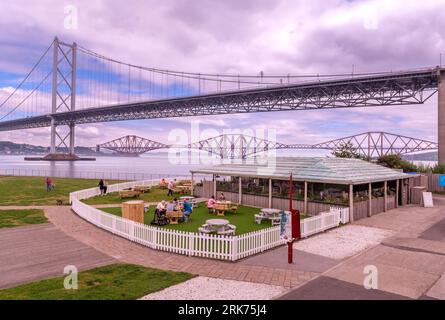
<point x="401" y="88"/>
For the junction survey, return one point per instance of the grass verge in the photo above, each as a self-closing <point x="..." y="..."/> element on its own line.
<point x="112" y="282"/>
<point x="17" y="218"/>
<point x="25" y="191"/>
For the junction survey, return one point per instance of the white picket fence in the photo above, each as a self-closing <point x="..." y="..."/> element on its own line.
<point x="194" y="244"/>
<point x="324" y="221"/>
<point x="92" y="192"/>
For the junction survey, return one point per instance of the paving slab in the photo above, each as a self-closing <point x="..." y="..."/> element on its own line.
<point x="303" y="261"/>
<point x="437" y="291"/>
<point x="31" y="253"/>
<point x="407" y="221"/>
<point x="400" y="272"/>
<point x="436" y="232"/>
<point x="418" y="244"/>
<point x="326" y="288"/>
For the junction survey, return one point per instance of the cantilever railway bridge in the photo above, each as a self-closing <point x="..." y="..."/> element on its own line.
<point x="71" y="85"/>
<point x="238" y="146"/>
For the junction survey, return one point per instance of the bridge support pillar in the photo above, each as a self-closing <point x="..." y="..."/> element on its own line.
<point x="63" y="85"/>
<point x="441" y="117"/>
<point x="53" y="137"/>
<point x="71" y="138"/>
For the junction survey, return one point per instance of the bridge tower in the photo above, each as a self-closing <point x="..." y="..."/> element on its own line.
<point x="63" y="98"/>
<point x="441" y="116"/>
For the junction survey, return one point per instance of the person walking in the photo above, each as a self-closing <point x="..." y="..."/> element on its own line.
<point x="170" y="189"/>
<point x="102" y="187"/>
<point x="49" y="184"/>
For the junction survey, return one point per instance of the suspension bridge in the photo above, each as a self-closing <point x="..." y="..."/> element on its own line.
<point x="239" y="146"/>
<point x="71" y="85"/>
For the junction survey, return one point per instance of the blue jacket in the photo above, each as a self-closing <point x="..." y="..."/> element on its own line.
<point x="187" y="207"/>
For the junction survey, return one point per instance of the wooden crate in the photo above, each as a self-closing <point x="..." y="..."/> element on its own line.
<point x="133" y="210"/>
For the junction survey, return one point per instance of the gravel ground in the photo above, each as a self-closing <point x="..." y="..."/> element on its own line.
<point x="343" y="242"/>
<point x="204" y="288"/>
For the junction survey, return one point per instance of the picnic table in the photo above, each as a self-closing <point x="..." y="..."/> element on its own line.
<point x="174" y="216"/>
<point x="269" y="214"/>
<point x="181" y="189"/>
<point x="129" y="194"/>
<point x="221" y="207"/>
<point x="219" y="226"/>
<point x="142" y="189"/>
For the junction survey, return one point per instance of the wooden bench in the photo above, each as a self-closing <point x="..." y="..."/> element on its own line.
<point x="129" y="194"/>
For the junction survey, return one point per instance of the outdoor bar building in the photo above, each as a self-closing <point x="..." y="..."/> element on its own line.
<point x="318" y="184"/>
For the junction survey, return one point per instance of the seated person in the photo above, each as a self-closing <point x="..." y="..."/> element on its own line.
<point x="211" y="203"/>
<point x="171" y="206"/>
<point x="163" y="182"/>
<point x="187" y="211"/>
<point x="161" y="207"/>
<point x="222" y="197"/>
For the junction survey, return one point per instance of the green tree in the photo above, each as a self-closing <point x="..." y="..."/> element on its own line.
<point x="395" y="161"/>
<point x="347" y="150"/>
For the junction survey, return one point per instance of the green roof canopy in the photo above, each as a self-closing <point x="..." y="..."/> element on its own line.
<point x="311" y="169"/>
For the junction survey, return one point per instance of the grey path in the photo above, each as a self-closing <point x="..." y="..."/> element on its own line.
<point x="35" y="252"/>
<point x="326" y="288"/>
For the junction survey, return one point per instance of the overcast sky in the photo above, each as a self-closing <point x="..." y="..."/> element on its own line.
<point x="248" y="36"/>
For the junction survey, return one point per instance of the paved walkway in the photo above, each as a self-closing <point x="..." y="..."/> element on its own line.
<point x="35" y="252"/>
<point x="410" y="264"/>
<point x="130" y="252"/>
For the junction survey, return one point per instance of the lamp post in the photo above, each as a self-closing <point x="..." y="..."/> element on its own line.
<point x="295" y="224"/>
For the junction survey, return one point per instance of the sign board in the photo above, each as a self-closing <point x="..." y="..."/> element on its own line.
<point x="442" y="181"/>
<point x="427" y="199"/>
<point x="286" y="225"/>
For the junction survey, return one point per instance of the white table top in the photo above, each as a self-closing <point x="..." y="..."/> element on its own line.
<point x="217" y="222"/>
<point x="187" y="197"/>
<point x="271" y="211"/>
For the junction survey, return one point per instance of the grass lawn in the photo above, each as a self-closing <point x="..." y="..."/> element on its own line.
<point x="156" y="194"/>
<point x="243" y="220"/>
<point x="26" y="191"/>
<point x="113" y="282"/>
<point x="17" y="218"/>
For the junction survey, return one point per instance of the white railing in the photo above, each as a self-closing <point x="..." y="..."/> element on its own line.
<point x="324" y="221"/>
<point x="194" y="244"/>
<point x="82" y="174"/>
<point x="89" y="193"/>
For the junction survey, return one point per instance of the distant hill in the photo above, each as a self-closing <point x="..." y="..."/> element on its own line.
<point x="427" y="156"/>
<point x="11" y="148"/>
